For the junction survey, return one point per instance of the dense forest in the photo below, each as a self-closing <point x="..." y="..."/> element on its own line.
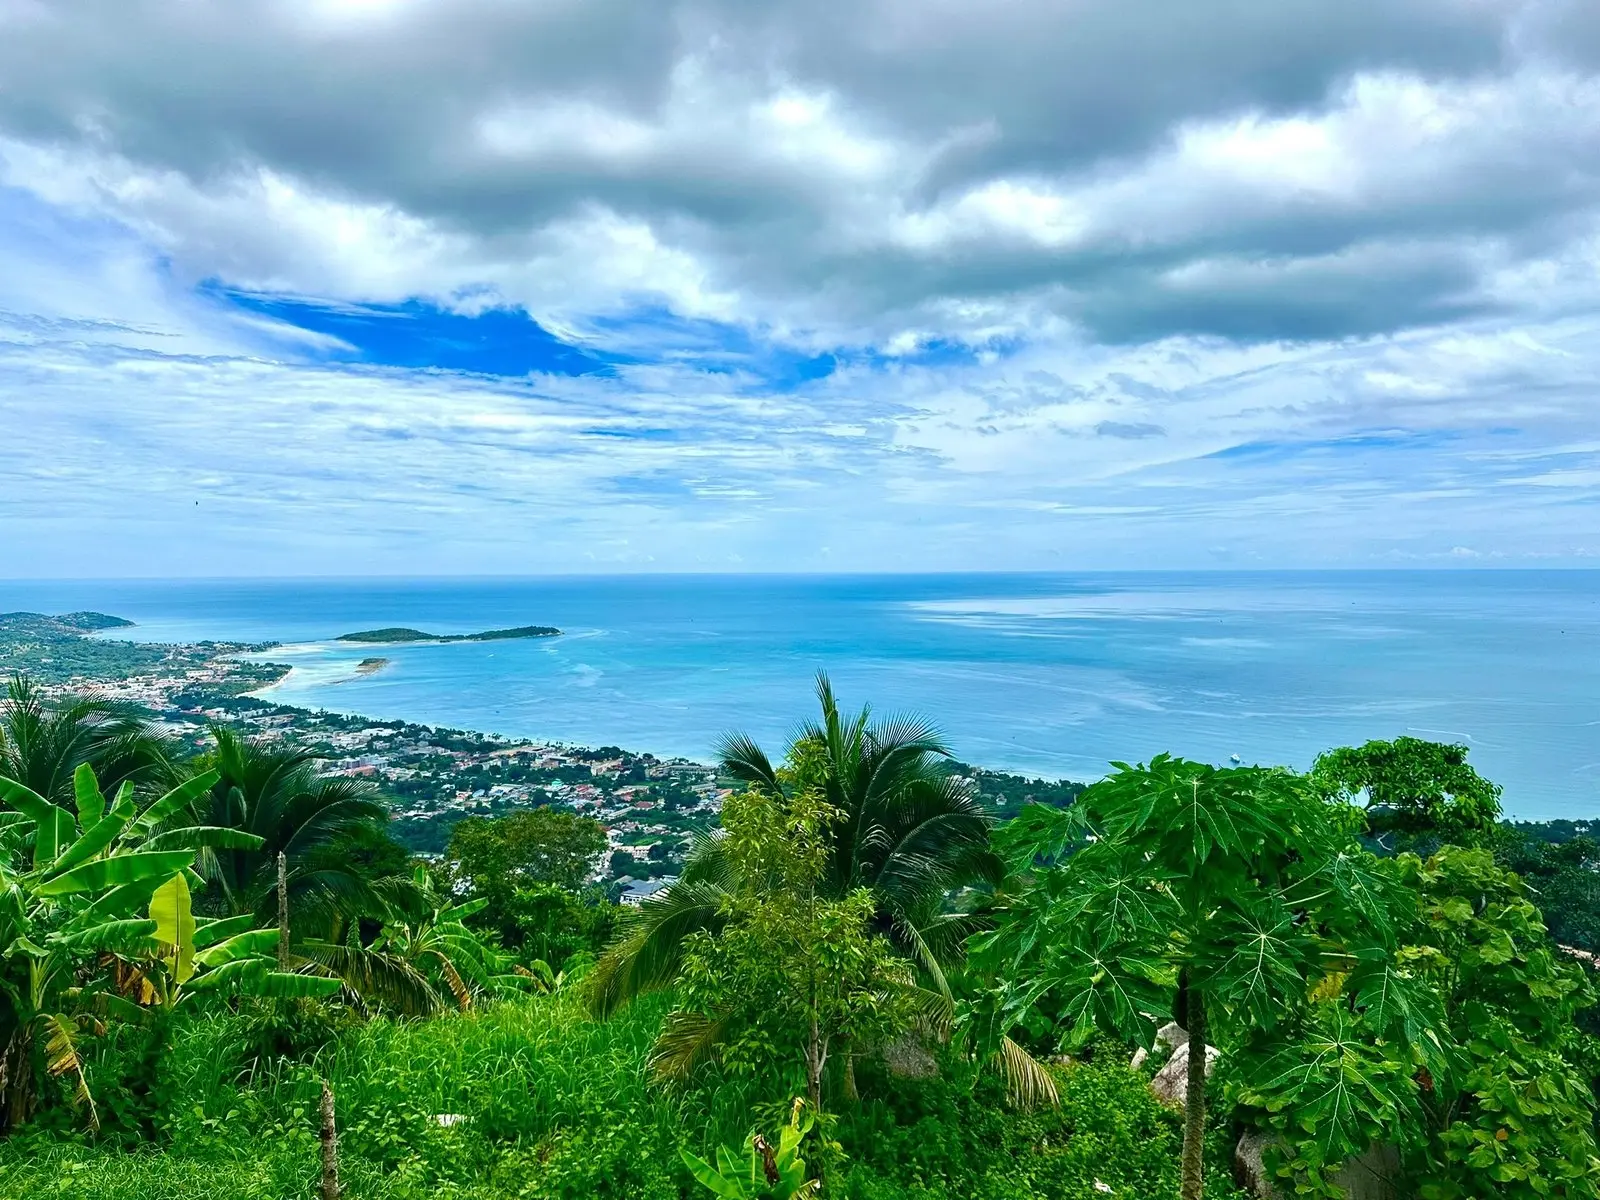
<point x="884" y="975"/>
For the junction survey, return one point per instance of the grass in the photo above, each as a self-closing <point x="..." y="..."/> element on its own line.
<point x="557" y="1106"/>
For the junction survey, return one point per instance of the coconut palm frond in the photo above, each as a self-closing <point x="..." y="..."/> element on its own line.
<point x="687" y="1040"/>
<point x="375" y="976"/>
<point x="1028" y="1082"/>
<point x="651" y="948"/>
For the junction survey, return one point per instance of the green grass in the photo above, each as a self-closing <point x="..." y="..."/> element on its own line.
<point x="559" y="1106"/>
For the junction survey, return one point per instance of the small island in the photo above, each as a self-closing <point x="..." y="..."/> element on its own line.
<point x="369" y="666"/>
<point x="397" y="633"/>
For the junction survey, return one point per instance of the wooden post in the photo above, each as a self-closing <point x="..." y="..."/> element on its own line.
<point x="330" y="1147"/>
<point x="283" y="912"/>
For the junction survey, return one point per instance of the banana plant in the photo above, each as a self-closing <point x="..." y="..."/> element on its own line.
<point x="191" y="959"/>
<point x="768" y="1173"/>
<point x="95" y="900"/>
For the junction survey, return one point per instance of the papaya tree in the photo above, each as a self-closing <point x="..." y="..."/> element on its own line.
<point x="1221" y="897"/>
<point x="1489" y="1102"/>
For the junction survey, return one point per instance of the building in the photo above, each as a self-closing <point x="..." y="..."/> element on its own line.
<point x="640" y="890"/>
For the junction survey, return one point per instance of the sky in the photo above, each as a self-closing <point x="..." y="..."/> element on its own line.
<point x="415" y="287"/>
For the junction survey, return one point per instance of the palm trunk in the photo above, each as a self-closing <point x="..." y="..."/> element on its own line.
<point x="330" y="1147"/>
<point x="283" y="912"/>
<point x="1194" y="1112"/>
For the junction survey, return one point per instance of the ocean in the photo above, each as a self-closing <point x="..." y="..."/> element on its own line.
<point x="1052" y="675"/>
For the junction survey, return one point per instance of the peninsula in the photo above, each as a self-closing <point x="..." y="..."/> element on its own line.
<point x="398" y="633"/>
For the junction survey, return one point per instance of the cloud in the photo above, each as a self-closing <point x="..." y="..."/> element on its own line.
<point x="482" y="285"/>
<point x="843" y="174"/>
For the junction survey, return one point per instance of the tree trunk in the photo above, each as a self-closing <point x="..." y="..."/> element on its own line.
<point x="283" y="912"/>
<point x="850" y="1092"/>
<point x="1194" y="1112"/>
<point x="816" y="1055"/>
<point x="330" y="1147"/>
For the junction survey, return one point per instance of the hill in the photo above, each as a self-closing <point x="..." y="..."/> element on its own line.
<point x="400" y="633"/>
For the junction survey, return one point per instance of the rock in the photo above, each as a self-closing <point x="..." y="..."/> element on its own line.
<point x="1373" y="1176"/>
<point x="1171" y="1083"/>
<point x="1140" y="1056"/>
<point x="1173" y="1034"/>
<point x="908" y="1058"/>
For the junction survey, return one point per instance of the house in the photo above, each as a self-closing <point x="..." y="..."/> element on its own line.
<point x="640" y="890"/>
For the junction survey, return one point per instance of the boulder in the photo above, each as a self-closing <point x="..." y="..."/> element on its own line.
<point x="1171" y="1083"/>
<point x="908" y="1058"/>
<point x="1172" y="1034"/>
<point x="1373" y="1176"/>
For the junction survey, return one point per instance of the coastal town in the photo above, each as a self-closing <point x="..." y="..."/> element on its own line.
<point x="432" y="777"/>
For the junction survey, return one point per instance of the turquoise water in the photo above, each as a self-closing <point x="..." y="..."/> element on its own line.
<point x="1049" y="674"/>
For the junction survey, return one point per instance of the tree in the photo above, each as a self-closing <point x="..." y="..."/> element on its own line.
<point x="1458" y="1051"/>
<point x="542" y="845"/>
<point x="42" y="745"/>
<point x="325" y="827"/>
<point x="1412" y="788"/>
<point x="909" y="832"/>
<point x="1220" y="895"/>
<point x="1565" y="876"/>
<point x="792" y="972"/>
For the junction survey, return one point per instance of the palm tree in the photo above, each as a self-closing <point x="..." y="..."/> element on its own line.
<point x="42" y="744"/>
<point x="908" y="830"/>
<point x="313" y="820"/>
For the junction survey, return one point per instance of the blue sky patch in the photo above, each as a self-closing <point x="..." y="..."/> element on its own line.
<point x="415" y="334"/>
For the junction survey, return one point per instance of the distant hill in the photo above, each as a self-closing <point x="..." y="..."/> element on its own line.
<point x="399" y="633"/>
<point x="66" y="623"/>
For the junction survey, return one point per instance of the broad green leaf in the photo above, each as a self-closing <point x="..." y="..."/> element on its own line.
<point x="286" y="985"/>
<point x="97" y="839"/>
<point x="116" y="871"/>
<point x="212" y="837"/>
<point x="118" y="902"/>
<point x="51" y="835"/>
<point x="228" y="974"/>
<point x="54" y="827"/>
<point x="208" y="933"/>
<point x="123" y="803"/>
<point x="251" y="943"/>
<point x="130" y="935"/>
<point x="25" y="800"/>
<point x="185" y="793"/>
<point x="86" y="790"/>
<point x="170" y="910"/>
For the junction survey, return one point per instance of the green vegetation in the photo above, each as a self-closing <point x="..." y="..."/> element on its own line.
<point x="399" y="633"/>
<point x="864" y="984"/>
<point x="54" y="650"/>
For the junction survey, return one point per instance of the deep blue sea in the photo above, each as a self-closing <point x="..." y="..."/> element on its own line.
<point x="1047" y="674"/>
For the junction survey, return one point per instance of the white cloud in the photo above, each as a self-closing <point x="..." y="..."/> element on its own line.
<point x="1325" y="295"/>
